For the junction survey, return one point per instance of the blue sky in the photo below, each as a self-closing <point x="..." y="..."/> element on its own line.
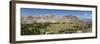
<point x="37" y="11"/>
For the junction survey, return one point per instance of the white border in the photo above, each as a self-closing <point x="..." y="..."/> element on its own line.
<point x="55" y="36"/>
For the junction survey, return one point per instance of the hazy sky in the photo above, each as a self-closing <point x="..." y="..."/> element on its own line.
<point x="37" y="11"/>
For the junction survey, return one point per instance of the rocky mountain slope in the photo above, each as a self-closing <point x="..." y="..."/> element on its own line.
<point x="50" y="18"/>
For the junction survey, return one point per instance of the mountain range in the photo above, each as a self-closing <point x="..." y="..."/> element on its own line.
<point x="53" y="19"/>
